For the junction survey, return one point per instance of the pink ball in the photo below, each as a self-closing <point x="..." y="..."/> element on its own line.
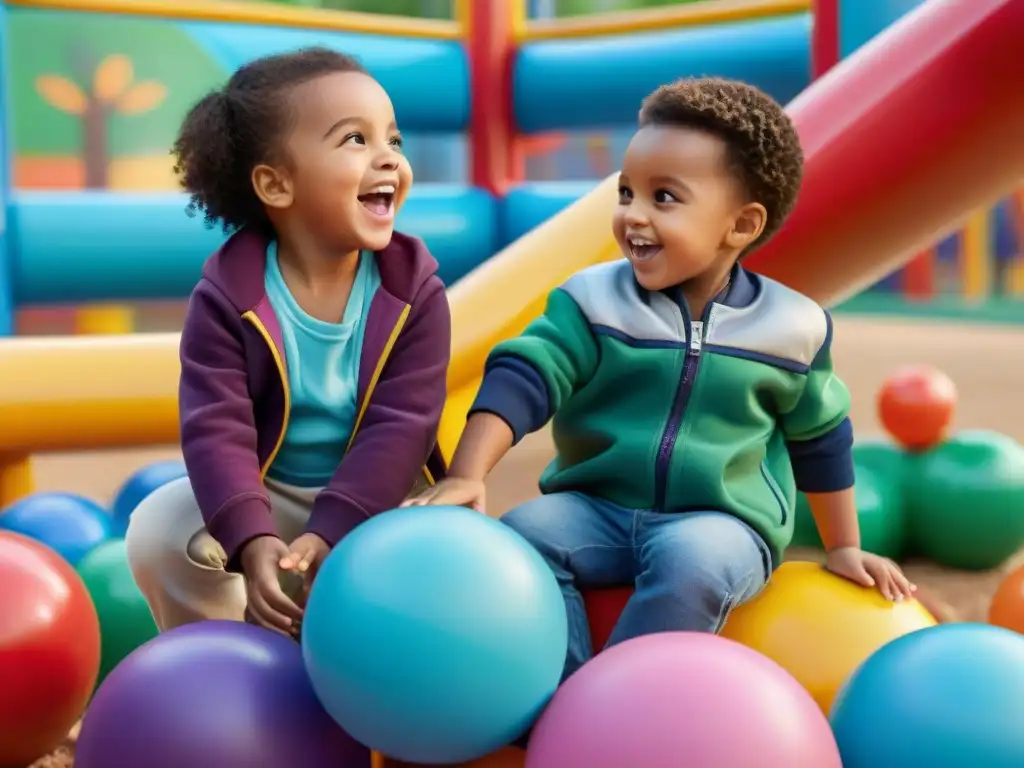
<point x="682" y="698"/>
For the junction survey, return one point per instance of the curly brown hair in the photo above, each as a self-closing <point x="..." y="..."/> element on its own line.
<point x="231" y="130"/>
<point x="762" y="143"/>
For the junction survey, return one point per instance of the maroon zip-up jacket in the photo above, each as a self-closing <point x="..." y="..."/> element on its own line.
<point x="234" y="399"/>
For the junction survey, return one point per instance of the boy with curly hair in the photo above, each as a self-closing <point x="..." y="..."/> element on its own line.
<point x="690" y="398"/>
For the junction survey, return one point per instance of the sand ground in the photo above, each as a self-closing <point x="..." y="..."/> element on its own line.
<point x="986" y="362"/>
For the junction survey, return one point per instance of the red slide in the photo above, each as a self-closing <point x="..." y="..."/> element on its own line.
<point x="903" y="140"/>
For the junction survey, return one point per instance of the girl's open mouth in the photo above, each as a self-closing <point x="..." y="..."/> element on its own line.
<point x="379" y="201"/>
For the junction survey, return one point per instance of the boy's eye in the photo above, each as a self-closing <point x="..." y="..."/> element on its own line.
<point x="396" y="142"/>
<point x="354" y="137"/>
<point x="664" y="196"/>
<point x="625" y="194"/>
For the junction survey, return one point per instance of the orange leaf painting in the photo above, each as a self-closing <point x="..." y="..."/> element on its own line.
<point x="112" y="77"/>
<point x="141" y="97"/>
<point x="60" y="93"/>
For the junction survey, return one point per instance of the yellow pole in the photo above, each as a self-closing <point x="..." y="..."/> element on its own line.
<point x="15" y="478"/>
<point x="975" y="257"/>
<point x="104" y="319"/>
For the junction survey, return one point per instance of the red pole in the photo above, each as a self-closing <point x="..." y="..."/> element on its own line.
<point x="824" y="36"/>
<point x="891" y="160"/>
<point x="919" y="276"/>
<point x="491" y="34"/>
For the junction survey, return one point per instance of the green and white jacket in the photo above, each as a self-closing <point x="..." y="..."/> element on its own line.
<point x="654" y="409"/>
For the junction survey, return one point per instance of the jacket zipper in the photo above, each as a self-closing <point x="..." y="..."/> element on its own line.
<point x="378" y="369"/>
<point x="282" y="371"/>
<point x="691" y="365"/>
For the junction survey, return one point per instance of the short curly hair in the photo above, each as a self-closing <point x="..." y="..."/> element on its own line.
<point x="235" y="128"/>
<point x="762" y="143"/>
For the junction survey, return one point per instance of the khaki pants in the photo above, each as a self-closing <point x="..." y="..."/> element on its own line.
<point x="179" y="566"/>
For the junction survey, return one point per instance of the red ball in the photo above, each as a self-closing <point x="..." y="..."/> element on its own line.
<point x="604" y="606"/>
<point x="49" y="649"/>
<point x="916" y="405"/>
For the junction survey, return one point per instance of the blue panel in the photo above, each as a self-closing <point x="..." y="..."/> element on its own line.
<point x="93" y="246"/>
<point x="1004" y="232"/>
<point x="428" y="79"/>
<point x="861" y="20"/>
<point x="459" y="225"/>
<point x="529" y="205"/>
<point x="948" y="249"/>
<point x="600" y="82"/>
<point x="6" y="299"/>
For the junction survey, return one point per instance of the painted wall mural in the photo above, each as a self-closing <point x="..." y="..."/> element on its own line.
<point x="96" y="100"/>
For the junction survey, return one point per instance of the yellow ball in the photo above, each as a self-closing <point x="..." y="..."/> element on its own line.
<point x="820" y="627"/>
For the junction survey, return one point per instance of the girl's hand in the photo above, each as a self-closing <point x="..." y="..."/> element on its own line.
<point x="870" y="570"/>
<point x="268" y="605"/>
<point x="305" y="556"/>
<point x="453" y="491"/>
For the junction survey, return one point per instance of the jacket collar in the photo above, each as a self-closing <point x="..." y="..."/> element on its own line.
<point x="740" y="292"/>
<point x="237" y="268"/>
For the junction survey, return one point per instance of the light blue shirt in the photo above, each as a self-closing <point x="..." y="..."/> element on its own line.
<point x="323" y="375"/>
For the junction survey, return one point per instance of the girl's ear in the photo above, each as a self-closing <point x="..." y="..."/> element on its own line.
<point x="272" y="186"/>
<point x="747" y="226"/>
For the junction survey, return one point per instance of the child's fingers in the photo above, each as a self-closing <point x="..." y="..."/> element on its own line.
<point x="416" y="501"/>
<point x="903" y="584"/>
<point x="297" y="560"/>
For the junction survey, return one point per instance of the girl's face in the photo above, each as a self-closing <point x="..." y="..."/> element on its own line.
<point x="347" y="173"/>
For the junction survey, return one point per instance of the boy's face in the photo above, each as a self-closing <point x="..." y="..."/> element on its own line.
<point x="681" y="209"/>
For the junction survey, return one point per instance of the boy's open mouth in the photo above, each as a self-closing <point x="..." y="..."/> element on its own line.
<point x="380" y="200"/>
<point x="641" y="249"/>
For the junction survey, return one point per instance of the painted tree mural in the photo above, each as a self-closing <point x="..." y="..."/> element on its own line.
<point x="111" y="92"/>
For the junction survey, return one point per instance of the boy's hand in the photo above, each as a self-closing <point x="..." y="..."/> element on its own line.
<point x="454" y="491"/>
<point x="305" y="556"/>
<point x="870" y="570"/>
<point x="268" y="606"/>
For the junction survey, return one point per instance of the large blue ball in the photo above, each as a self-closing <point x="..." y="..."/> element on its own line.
<point x="434" y="634"/>
<point x="138" y="486"/>
<point x="943" y="697"/>
<point x="70" y="524"/>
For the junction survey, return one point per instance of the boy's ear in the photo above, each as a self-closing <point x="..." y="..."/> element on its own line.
<point x="747" y="226"/>
<point x="272" y="186"/>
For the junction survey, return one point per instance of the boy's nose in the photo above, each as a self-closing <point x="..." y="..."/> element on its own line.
<point x="636" y="216"/>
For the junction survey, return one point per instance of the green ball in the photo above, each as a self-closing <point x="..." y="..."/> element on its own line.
<point x="878" y="469"/>
<point x="125" y="618"/>
<point x="965" y="500"/>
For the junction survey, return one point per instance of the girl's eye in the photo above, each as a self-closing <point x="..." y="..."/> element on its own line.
<point x="354" y="137"/>
<point x="625" y="194"/>
<point x="664" y="196"/>
<point x="396" y="142"/>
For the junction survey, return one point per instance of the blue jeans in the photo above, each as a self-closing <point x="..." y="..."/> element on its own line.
<point x="689" y="569"/>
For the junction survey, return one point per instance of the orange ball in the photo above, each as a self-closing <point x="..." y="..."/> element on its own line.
<point x="916" y="405"/>
<point x="1007" y="609"/>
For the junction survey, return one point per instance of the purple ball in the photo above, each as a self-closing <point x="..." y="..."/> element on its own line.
<point x="217" y="693"/>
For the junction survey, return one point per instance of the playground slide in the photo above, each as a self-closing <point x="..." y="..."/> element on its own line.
<point x="903" y="140"/>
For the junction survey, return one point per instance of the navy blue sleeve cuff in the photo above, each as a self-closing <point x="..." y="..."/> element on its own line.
<point x="824" y="464"/>
<point x="515" y="392"/>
